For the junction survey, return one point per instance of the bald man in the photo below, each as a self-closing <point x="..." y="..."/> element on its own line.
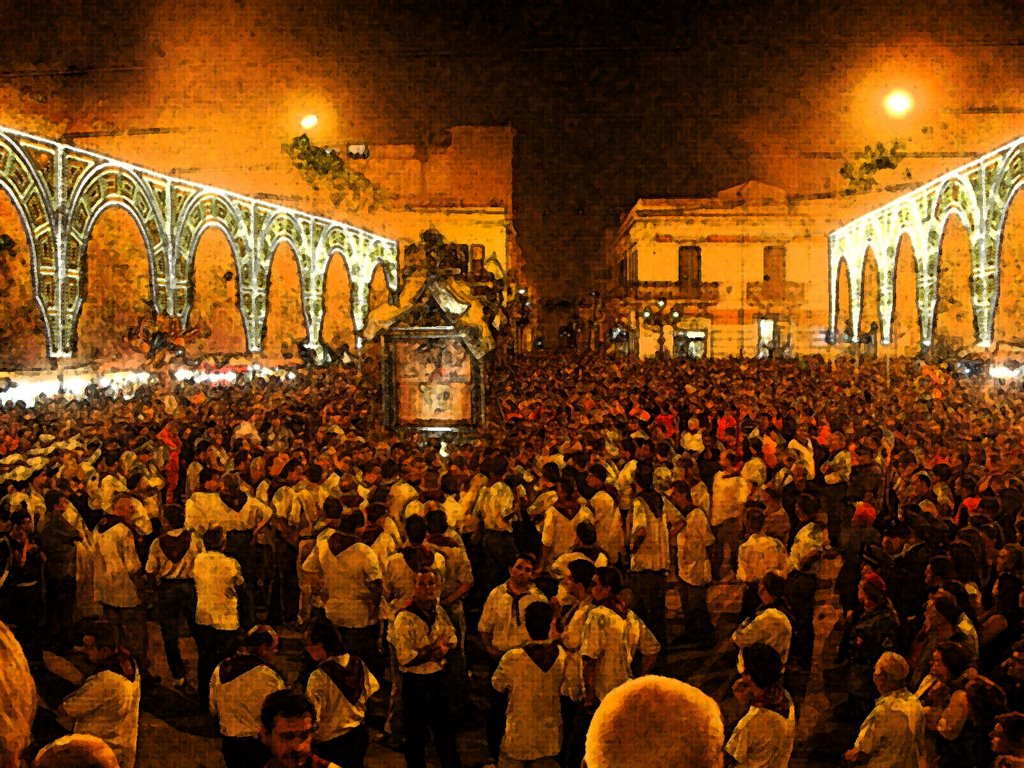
<point x="76" y="751"/>
<point x="655" y="722"/>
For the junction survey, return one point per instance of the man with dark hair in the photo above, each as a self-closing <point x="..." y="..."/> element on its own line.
<point x="58" y="540"/>
<point x="532" y="678"/>
<point x="771" y="624"/>
<point x="422" y="636"/>
<point x="612" y="636"/>
<point x="339" y="688"/>
<point x="237" y="688"/>
<point x="107" y="703"/>
<point x="501" y="628"/>
<point x="287" y="726"/>
<point x="171" y="565"/>
<point x="347" y="576"/>
<point x="765" y="734"/>
<point x="217" y="578"/>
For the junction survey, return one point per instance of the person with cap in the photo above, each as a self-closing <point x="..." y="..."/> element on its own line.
<point x="238" y="687"/>
<point x="217" y="578"/>
<point x="765" y="734"/>
<point x="892" y="735"/>
<point x="171" y="565"/>
<point x="339" y="688"/>
<point x="106" y="705"/>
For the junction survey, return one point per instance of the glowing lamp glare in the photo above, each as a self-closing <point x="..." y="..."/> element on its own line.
<point x="898" y="103"/>
<point x="309" y="121"/>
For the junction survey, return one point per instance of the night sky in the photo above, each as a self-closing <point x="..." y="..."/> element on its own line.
<point x="610" y="101"/>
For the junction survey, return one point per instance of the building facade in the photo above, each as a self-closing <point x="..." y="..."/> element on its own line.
<point x="741" y="273"/>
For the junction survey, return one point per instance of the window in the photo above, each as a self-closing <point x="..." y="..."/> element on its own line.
<point x="689" y="266"/>
<point x="775" y="263"/>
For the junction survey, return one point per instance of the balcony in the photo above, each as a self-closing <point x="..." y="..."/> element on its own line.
<point x="698" y="294"/>
<point x="771" y="295"/>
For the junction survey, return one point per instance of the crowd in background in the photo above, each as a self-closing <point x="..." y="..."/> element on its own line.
<point x="537" y="554"/>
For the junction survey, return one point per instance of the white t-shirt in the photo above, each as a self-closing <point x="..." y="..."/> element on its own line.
<point x="763" y="738"/>
<point x="107" y="706"/>
<point x="217" y="578"/>
<point x="346" y="577"/>
<point x="612" y="641"/>
<point x="533" y="727"/>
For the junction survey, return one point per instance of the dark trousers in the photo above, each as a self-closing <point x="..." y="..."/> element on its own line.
<point x="243" y="751"/>
<point x="347" y="750"/>
<point x="214" y="645"/>
<point x="132" y="629"/>
<point x="649" y="600"/>
<point x="60" y="609"/>
<point x="696" y="616"/>
<point x="499" y="556"/>
<point x="362" y="642"/>
<point x="175" y="600"/>
<point x="284" y="602"/>
<point x="426" y="707"/>
<point x="24" y="614"/>
<point x="728" y="536"/>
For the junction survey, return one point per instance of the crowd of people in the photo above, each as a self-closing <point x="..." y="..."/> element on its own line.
<point x="528" y="563"/>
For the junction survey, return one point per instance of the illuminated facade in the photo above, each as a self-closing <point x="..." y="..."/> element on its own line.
<point x="59" y="191"/>
<point x="979" y="193"/>
<point x="730" y="274"/>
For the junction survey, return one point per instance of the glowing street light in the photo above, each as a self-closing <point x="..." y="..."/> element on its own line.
<point x="898" y="103"/>
<point x="309" y="122"/>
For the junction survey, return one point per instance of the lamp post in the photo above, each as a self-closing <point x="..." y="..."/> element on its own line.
<point x="655" y="315"/>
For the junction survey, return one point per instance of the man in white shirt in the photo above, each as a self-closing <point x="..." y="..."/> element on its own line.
<point x="170" y="564"/>
<point x="693" y="540"/>
<point x="422" y="637"/>
<point x="495" y="506"/>
<point x="107" y="703"/>
<point x="217" y="579"/>
<point x="770" y="625"/>
<point x="612" y="636"/>
<point x="238" y="686"/>
<point x="758" y="555"/>
<point x="652" y="515"/>
<point x="117" y="569"/>
<point x="501" y="628"/>
<point x="763" y="738"/>
<point x="532" y="677"/>
<point x="205" y="508"/>
<point x="611" y="536"/>
<point x="339" y="688"/>
<point x="729" y="491"/>
<point x="348" y="577"/>
<point x="892" y="736"/>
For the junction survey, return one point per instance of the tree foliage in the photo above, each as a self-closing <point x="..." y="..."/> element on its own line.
<point x="860" y="171"/>
<point x="325" y="168"/>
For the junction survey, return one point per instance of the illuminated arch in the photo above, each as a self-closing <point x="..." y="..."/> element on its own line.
<point x="105" y="186"/>
<point x="31" y="197"/>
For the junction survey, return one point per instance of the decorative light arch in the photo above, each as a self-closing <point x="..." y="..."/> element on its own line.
<point x="60" y="190"/>
<point x="979" y="192"/>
